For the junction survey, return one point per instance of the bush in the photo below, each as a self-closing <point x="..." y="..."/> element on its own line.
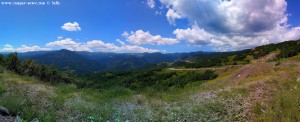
<point x="13" y="62"/>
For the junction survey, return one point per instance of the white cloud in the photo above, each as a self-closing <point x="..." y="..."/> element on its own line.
<point x="23" y="48"/>
<point x="7" y="48"/>
<point x="140" y="37"/>
<point x="232" y="24"/>
<point x="229" y="15"/>
<point x="223" y="42"/>
<point x="172" y="16"/>
<point x="136" y="49"/>
<point x="91" y="46"/>
<point x="151" y="3"/>
<point x="194" y="35"/>
<point x="99" y="46"/>
<point x="120" y="42"/>
<point x="65" y="42"/>
<point x="71" y="26"/>
<point x="69" y="44"/>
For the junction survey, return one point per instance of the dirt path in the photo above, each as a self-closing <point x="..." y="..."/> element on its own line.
<point x="190" y="69"/>
<point x="199" y="69"/>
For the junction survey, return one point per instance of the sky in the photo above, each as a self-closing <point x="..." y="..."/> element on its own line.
<point x="138" y="26"/>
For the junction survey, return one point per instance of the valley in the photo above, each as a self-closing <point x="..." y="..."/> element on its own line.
<point x="265" y="89"/>
<point x="150" y="61"/>
<point x="88" y="62"/>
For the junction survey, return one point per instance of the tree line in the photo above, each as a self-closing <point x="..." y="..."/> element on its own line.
<point x="286" y="49"/>
<point x="40" y="71"/>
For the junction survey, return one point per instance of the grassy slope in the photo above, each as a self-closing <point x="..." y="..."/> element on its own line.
<point x="260" y="91"/>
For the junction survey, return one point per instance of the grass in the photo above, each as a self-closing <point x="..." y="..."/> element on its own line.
<point x="12" y="102"/>
<point x="72" y="104"/>
<point x="3" y="89"/>
<point x="294" y="58"/>
<point x="197" y="101"/>
<point x="285" y="105"/>
<point x="118" y="104"/>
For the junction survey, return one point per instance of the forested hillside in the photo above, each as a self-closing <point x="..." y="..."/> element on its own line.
<point x="284" y="50"/>
<point x="88" y="62"/>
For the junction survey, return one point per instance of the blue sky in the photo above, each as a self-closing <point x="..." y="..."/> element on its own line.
<point x="147" y="25"/>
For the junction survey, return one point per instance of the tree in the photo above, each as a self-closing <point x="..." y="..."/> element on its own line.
<point x="53" y="74"/>
<point x="42" y="72"/>
<point x="2" y="60"/>
<point x="13" y="62"/>
<point x="68" y="76"/>
<point x="28" y="67"/>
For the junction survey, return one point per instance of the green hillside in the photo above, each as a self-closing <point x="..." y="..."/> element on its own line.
<point x="261" y="84"/>
<point x="284" y="50"/>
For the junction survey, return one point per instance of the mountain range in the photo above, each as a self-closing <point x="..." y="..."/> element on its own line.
<point x="87" y="62"/>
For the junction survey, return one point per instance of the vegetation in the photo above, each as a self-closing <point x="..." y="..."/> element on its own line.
<point x="31" y="68"/>
<point x="287" y="49"/>
<point x="134" y="80"/>
<point x="89" y="62"/>
<point x="158" y="79"/>
<point x="259" y="91"/>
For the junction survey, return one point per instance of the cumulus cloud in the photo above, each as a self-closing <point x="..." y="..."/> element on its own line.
<point x="69" y="44"/>
<point x="172" y="16"/>
<point x="194" y="35"/>
<point x="66" y="42"/>
<point x="140" y="37"/>
<point x="229" y="15"/>
<point x="71" y="26"/>
<point x="99" y="46"/>
<point x="232" y="24"/>
<point x="23" y="48"/>
<point x="224" y="42"/>
<point x="151" y="3"/>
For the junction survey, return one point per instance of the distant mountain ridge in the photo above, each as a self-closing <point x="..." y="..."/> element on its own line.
<point x="86" y="62"/>
<point x="67" y="60"/>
